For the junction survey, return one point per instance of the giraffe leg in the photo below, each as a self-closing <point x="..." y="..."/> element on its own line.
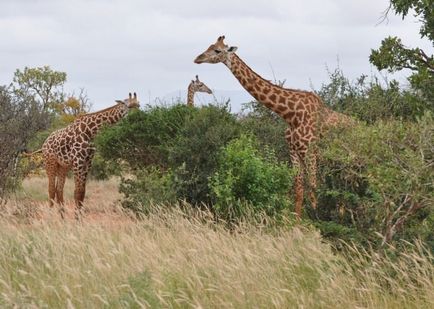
<point x="311" y="169"/>
<point x="51" y="169"/>
<point x="61" y="177"/>
<point x="81" y="169"/>
<point x="298" y="183"/>
<point x="79" y="193"/>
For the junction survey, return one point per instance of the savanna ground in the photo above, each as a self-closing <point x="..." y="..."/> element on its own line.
<point x="182" y="258"/>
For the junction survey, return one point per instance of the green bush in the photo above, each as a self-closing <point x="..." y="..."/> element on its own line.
<point x="246" y="178"/>
<point x="143" y="138"/>
<point x="370" y="100"/>
<point x="268" y="128"/>
<point x="193" y="155"/>
<point x="378" y="179"/>
<point x="147" y="187"/>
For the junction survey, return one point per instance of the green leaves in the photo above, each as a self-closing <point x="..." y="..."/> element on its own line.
<point x="393" y="55"/>
<point x="43" y="83"/>
<point x="246" y="179"/>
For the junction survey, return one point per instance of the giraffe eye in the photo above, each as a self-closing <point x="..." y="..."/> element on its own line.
<point x="217" y="51"/>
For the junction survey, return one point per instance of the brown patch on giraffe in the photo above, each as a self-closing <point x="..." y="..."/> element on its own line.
<point x="289" y="115"/>
<point x="282" y="99"/>
<point x="258" y="88"/>
<point x="262" y="97"/>
<point x="281" y="108"/>
<point x="266" y="90"/>
<point x="272" y="97"/>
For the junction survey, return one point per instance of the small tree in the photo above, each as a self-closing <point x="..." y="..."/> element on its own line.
<point x="43" y="83"/>
<point x="393" y="55"/>
<point x="20" y="118"/>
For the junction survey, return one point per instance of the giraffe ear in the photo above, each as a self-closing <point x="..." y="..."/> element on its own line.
<point x="135" y="95"/>
<point x="129" y="95"/>
<point x="197" y="78"/>
<point x="232" y="49"/>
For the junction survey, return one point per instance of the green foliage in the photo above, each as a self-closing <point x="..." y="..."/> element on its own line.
<point x="267" y="127"/>
<point x="246" y="178"/>
<point x="102" y="169"/>
<point x="379" y="179"/>
<point x="143" y="138"/>
<point x="20" y="117"/>
<point x="370" y="100"/>
<point x="193" y="155"/>
<point x="146" y="188"/>
<point x="424" y="9"/>
<point x="183" y="139"/>
<point x="43" y="83"/>
<point x="394" y="56"/>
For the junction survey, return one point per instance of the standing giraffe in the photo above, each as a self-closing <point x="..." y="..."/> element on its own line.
<point x="303" y="111"/>
<point x="196" y="86"/>
<point x="71" y="148"/>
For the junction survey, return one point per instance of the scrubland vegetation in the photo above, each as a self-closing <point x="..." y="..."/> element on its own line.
<point x="180" y="257"/>
<point x="189" y="206"/>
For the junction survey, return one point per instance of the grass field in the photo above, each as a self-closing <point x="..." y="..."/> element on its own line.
<point x="176" y="258"/>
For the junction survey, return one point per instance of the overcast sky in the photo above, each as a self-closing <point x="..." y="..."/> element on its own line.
<point x="111" y="47"/>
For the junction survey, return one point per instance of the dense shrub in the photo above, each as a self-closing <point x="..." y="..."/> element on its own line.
<point x="245" y="177"/>
<point x="20" y="118"/>
<point x="267" y="127"/>
<point x="370" y="100"/>
<point x="379" y="179"/>
<point x="143" y="138"/>
<point x="184" y="139"/>
<point x="147" y="187"/>
<point x="193" y="156"/>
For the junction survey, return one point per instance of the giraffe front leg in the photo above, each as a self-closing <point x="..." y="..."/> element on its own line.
<point x="298" y="182"/>
<point x="79" y="193"/>
<point x="311" y="169"/>
<point x="81" y="167"/>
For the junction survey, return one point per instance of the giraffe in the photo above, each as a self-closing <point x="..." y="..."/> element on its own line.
<point x="196" y="86"/>
<point x="71" y="148"/>
<point x="304" y="112"/>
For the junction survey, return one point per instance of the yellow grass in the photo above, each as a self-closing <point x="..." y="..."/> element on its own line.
<point x="183" y="259"/>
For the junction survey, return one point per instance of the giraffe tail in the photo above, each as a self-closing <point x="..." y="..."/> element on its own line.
<point x="29" y="154"/>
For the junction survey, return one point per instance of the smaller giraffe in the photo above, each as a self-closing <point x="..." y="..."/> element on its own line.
<point x="196" y="86"/>
<point x="71" y="148"/>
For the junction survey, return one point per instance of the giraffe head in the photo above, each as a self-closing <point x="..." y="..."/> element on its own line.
<point x="198" y="86"/>
<point x="217" y="52"/>
<point x="131" y="102"/>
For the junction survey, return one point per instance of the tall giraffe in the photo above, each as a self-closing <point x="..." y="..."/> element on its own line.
<point x="196" y="86"/>
<point x="71" y="148"/>
<point x="304" y="112"/>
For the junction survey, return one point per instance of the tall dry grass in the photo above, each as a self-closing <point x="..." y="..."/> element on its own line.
<point x="175" y="258"/>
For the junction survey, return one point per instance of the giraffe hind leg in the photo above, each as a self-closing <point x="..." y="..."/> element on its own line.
<point x="61" y="178"/>
<point x="51" y="167"/>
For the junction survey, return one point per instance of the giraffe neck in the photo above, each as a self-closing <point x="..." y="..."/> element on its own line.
<point x="90" y="124"/>
<point x="285" y="102"/>
<point x="190" y="95"/>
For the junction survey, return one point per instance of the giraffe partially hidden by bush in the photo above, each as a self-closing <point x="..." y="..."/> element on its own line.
<point x="196" y="86"/>
<point x="303" y="111"/>
<point x="71" y="148"/>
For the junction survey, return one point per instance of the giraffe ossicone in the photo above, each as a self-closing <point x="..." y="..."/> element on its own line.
<point x="304" y="112"/>
<point x="71" y="148"/>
